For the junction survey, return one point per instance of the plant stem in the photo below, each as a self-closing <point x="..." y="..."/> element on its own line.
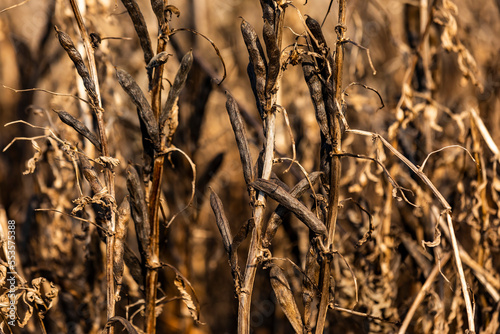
<point x="108" y="173"/>
<point x="255" y="251"/>
<point x="335" y="168"/>
<point x="154" y="197"/>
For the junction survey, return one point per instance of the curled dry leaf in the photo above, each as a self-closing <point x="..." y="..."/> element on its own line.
<point x="285" y="297"/>
<point x="143" y="107"/>
<point x="79" y="127"/>
<point x="77" y="59"/>
<point x="140" y="27"/>
<point x="240" y="136"/>
<point x="31" y="163"/>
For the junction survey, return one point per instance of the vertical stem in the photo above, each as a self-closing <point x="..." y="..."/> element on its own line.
<point x="254" y="252"/>
<point x="155" y="195"/>
<point x="108" y="174"/>
<point x="335" y="168"/>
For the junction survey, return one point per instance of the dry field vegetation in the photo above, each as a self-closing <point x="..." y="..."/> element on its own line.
<point x="250" y="166"/>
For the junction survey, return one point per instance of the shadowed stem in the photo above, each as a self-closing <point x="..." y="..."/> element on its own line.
<point x="108" y="173"/>
<point x="255" y="251"/>
<point x="335" y="169"/>
<point x="154" y="200"/>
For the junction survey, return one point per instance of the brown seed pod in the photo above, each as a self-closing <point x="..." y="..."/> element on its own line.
<point x="227" y="238"/>
<point x="139" y="212"/>
<point x="221" y="220"/>
<point x="159" y="10"/>
<point x="319" y="42"/>
<point x="273" y="55"/>
<point x="315" y="90"/>
<point x="267" y="10"/>
<point x="285" y="297"/>
<point x="77" y="59"/>
<point x="140" y="27"/>
<point x="158" y="60"/>
<point x="90" y="174"/>
<point x="173" y="94"/>
<point x="143" y="107"/>
<point x="258" y="67"/>
<point x="119" y="247"/>
<point x="79" y="127"/>
<point x="291" y="203"/>
<point x="280" y="212"/>
<point x="309" y="287"/>
<point x="241" y="137"/>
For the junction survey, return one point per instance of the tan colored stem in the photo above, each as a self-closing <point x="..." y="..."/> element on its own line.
<point x="335" y="169"/>
<point x="108" y="173"/>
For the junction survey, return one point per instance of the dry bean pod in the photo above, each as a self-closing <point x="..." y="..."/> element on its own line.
<point x="79" y="127"/>
<point x="315" y="90"/>
<point x="240" y="136"/>
<point x="257" y="69"/>
<point x="273" y="55"/>
<point x="291" y="203"/>
<point x="143" y="107"/>
<point x="284" y="294"/>
<point x="279" y="213"/>
<point x="140" y="27"/>
<point x="77" y="59"/>
<point x="139" y="212"/>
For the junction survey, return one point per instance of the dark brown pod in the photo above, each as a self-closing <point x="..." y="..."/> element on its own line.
<point x="143" y="107"/>
<point x="279" y="213"/>
<point x="273" y="55"/>
<point x="158" y="7"/>
<point x="140" y="27"/>
<point x="258" y="66"/>
<point x="240" y="136"/>
<point x="285" y="297"/>
<point x="221" y="220"/>
<point x="175" y="90"/>
<point x="291" y="203"/>
<point x="139" y="211"/>
<point x="79" y="127"/>
<point x="77" y="59"/>
<point x="315" y="90"/>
